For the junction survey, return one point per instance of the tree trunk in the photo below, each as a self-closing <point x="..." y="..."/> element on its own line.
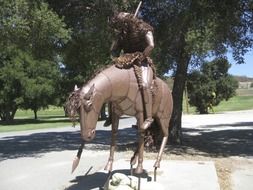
<point x="8" y="115"/>
<point x="203" y="111"/>
<point x="35" y="114"/>
<point x="177" y="93"/>
<point x="65" y="111"/>
<point x="13" y="113"/>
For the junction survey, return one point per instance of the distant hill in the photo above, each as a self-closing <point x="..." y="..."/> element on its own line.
<point x="243" y="79"/>
<point x="244" y="82"/>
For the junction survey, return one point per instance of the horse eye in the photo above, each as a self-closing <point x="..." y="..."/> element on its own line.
<point x="87" y="106"/>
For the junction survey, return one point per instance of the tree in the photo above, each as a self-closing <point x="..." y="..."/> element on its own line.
<point x="31" y="36"/>
<point x="39" y="87"/>
<point x="89" y="47"/>
<point x="189" y="31"/>
<point x="11" y="75"/>
<point x="212" y="84"/>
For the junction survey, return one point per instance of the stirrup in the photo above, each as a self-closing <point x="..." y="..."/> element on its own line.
<point x="147" y="123"/>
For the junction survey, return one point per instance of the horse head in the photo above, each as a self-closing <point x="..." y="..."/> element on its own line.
<point x="80" y="102"/>
<point x="87" y="114"/>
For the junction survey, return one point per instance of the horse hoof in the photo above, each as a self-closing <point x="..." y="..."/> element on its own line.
<point x="138" y="170"/>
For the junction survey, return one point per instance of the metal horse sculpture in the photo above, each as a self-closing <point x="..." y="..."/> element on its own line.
<point x="120" y="87"/>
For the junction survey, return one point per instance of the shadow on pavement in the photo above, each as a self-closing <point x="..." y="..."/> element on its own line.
<point x="33" y="145"/>
<point x="88" y="182"/>
<point x="211" y="140"/>
<point x="217" y="140"/>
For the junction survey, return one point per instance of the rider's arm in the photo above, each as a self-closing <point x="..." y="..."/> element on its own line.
<point x="150" y="41"/>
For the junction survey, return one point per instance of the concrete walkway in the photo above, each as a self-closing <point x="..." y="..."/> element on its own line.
<point x="242" y="177"/>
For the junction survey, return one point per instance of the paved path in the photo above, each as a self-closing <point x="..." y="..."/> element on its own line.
<point x="41" y="159"/>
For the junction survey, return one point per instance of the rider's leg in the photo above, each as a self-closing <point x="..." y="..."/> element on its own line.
<point x="147" y="77"/>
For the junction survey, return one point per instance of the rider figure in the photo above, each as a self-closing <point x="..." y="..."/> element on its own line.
<point x="135" y="35"/>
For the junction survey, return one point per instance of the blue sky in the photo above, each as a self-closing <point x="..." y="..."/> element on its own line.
<point x="243" y="69"/>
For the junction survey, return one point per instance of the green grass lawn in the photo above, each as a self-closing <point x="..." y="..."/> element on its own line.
<point x="233" y="104"/>
<point x="24" y="120"/>
<point x="51" y="111"/>
<point x="31" y="124"/>
<point x="236" y="103"/>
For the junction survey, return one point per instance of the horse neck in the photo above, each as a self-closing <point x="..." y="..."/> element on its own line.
<point x="110" y="85"/>
<point x="102" y="91"/>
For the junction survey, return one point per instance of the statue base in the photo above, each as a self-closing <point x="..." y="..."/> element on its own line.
<point x="121" y="181"/>
<point x="173" y="174"/>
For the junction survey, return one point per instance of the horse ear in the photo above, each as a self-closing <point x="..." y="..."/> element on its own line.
<point x="90" y="92"/>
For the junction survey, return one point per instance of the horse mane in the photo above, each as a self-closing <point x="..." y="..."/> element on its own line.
<point x="72" y="105"/>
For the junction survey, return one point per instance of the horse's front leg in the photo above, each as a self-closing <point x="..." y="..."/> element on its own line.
<point x="115" y="124"/>
<point x="141" y="133"/>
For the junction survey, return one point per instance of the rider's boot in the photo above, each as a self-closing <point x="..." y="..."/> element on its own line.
<point x="108" y="122"/>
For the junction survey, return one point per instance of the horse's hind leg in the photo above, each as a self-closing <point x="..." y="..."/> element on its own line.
<point x="136" y="152"/>
<point x="164" y="126"/>
<point x="115" y="124"/>
<point x="159" y="156"/>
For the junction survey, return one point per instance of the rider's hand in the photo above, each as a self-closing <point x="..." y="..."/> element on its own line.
<point x="141" y="57"/>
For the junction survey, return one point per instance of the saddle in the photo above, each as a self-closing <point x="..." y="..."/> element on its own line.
<point x="129" y="60"/>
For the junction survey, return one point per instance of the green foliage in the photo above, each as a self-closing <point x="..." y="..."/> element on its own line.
<point x="39" y="85"/>
<point x="189" y="31"/>
<point x="89" y="47"/>
<point x="31" y="36"/>
<point x="25" y="83"/>
<point x="11" y="75"/>
<point x="199" y="28"/>
<point x="212" y="84"/>
<point x="31" y="26"/>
